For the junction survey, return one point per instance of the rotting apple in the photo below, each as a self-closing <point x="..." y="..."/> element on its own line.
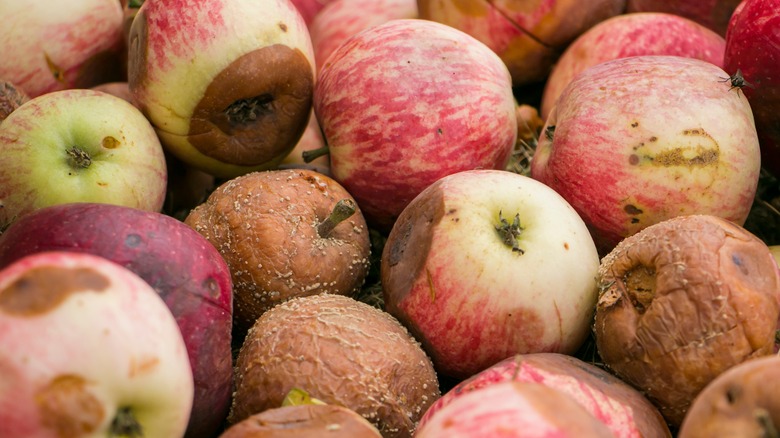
<point x="753" y="60"/>
<point x="403" y="103"/>
<point x="632" y="35"/>
<point x="182" y="267"/>
<point x="304" y="421"/>
<point x="634" y="141"/>
<point x="527" y="35"/>
<point x="340" y="19"/>
<point x="78" y="145"/>
<point x="713" y="14"/>
<point x="88" y="348"/>
<point x="250" y="100"/>
<point x="53" y="45"/>
<point x="485" y="264"/>
<point x="11" y="98"/>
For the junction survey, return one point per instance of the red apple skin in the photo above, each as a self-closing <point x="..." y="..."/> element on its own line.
<point x="407" y="102"/>
<point x="649" y="33"/>
<point x="622" y="409"/>
<point x="309" y="8"/>
<point x="82" y="40"/>
<point x="340" y="19"/>
<point x="753" y="47"/>
<point x="642" y="139"/>
<point x="184" y="268"/>
<point x="713" y="14"/>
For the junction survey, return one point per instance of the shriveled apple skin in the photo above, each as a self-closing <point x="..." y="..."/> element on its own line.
<point x="183" y="267"/>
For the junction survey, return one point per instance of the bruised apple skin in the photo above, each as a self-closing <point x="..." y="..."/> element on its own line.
<point x="269" y="228"/>
<point x="527" y="35"/>
<point x="340" y="351"/>
<point x="683" y="301"/>
<point x="632" y="35"/>
<point x="227" y="84"/>
<point x="623" y="410"/>
<point x="304" y="421"/>
<point x="11" y="98"/>
<point x="513" y="409"/>
<point x="753" y="58"/>
<point x="713" y="14"/>
<point x="741" y="402"/>
<point x="634" y="141"/>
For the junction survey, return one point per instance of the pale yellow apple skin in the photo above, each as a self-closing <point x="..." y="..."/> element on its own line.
<point x="127" y="161"/>
<point x="102" y="326"/>
<point x="196" y="43"/>
<point x="775" y="250"/>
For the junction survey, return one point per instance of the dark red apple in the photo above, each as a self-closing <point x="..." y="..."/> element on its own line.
<point x="753" y="59"/>
<point x="182" y="266"/>
<point x="713" y="14"/>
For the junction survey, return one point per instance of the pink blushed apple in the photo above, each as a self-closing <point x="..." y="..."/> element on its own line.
<point x="638" y="140"/>
<point x="632" y="35"/>
<point x="309" y="8"/>
<point x="49" y="45"/>
<point x="407" y="102"/>
<point x="713" y="14"/>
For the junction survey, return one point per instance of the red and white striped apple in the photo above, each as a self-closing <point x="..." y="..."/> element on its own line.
<point x="634" y="141"/>
<point x="485" y="264"/>
<point x="88" y="348"/>
<point x="406" y="102"/>
<point x="78" y="145"/>
<point x="713" y="14"/>
<point x="632" y="35"/>
<point x="50" y="45"/>
<point x="753" y="51"/>
<point x="226" y="83"/>
<point x="340" y="19"/>
<point x="527" y="35"/>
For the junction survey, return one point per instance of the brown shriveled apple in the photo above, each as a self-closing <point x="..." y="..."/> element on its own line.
<point x="681" y="302"/>
<point x="340" y="351"/>
<point x="284" y="233"/>
<point x="741" y="402"/>
<point x="304" y="421"/>
<point x="11" y="98"/>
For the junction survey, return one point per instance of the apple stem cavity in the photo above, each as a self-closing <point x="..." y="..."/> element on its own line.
<point x="313" y="154"/>
<point x="125" y="425"/>
<point x="510" y="232"/>
<point x="246" y="111"/>
<point x="78" y="158"/>
<point x="341" y="211"/>
<point x="764" y="419"/>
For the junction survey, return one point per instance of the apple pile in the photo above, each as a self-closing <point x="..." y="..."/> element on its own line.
<point x="389" y="218"/>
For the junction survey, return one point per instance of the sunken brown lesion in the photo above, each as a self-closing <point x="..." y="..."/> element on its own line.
<point x="704" y="153"/>
<point x="256" y="109"/>
<point x="68" y="408"/>
<point x="44" y="288"/>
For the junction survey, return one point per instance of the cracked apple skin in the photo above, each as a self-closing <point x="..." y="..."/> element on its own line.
<point x="681" y="302"/>
<point x="49" y="45"/>
<point x="635" y="141"/>
<point x="227" y="84"/>
<point x="407" y="102"/>
<point x="527" y="35"/>
<point x="471" y="299"/>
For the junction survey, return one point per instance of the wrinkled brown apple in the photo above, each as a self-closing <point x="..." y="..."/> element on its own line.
<point x="681" y="302"/>
<point x="304" y="421"/>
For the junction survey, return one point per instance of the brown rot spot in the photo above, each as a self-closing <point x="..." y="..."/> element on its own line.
<point x="110" y="142"/>
<point x="633" y="159"/>
<point x="256" y="109"/>
<point x="732" y="394"/>
<point x="632" y="209"/>
<point x="43" y="288"/>
<point x="212" y="287"/>
<point x="653" y="139"/>
<point x="283" y="26"/>
<point x="142" y="366"/>
<point x="452" y="211"/>
<point x="566" y="246"/>
<point x="640" y="287"/>
<point x="634" y="220"/>
<point x="67" y="408"/>
<point x="132" y="240"/>
<point x="635" y="124"/>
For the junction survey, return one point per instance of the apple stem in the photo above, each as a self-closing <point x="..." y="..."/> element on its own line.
<point x="510" y="232"/>
<point x="125" y="424"/>
<point x="765" y="420"/>
<point x="341" y="211"/>
<point x="313" y="154"/>
<point x="79" y="158"/>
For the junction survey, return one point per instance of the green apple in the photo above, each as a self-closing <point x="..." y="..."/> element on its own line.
<point x="78" y="145"/>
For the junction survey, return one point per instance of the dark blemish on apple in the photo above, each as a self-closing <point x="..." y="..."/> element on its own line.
<point x="633" y="159"/>
<point x="68" y="408"/>
<point x="210" y="284"/>
<point x="42" y="289"/>
<point x="132" y="240"/>
<point x="653" y="139"/>
<point x="632" y="209"/>
<point x="635" y="124"/>
<point x="738" y="261"/>
<point x="440" y="131"/>
<point x="634" y="220"/>
<point x="102" y="184"/>
<point x="452" y="211"/>
<point x="549" y="132"/>
<point x="566" y="246"/>
<point x="283" y="27"/>
<point x="110" y="142"/>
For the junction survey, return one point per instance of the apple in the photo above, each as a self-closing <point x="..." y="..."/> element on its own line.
<point x="119" y="89"/>
<point x="183" y="268"/>
<point x="340" y="19"/>
<point x="713" y="14"/>
<point x="11" y="98"/>
<point x="49" y="45"/>
<point x="513" y="410"/>
<point x="88" y="348"/>
<point x="78" y="145"/>
<point x="406" y="102"/>
<point x="528" y="36"/>
<point x="752" y="58"/>
<point x="634" y="141"/>
<point x="309" y="8"/>
<point x="485" y="264"/>
<point x="649" y="33"/>
<point x="312" y="142"/>
<point x="250" y="100"/>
